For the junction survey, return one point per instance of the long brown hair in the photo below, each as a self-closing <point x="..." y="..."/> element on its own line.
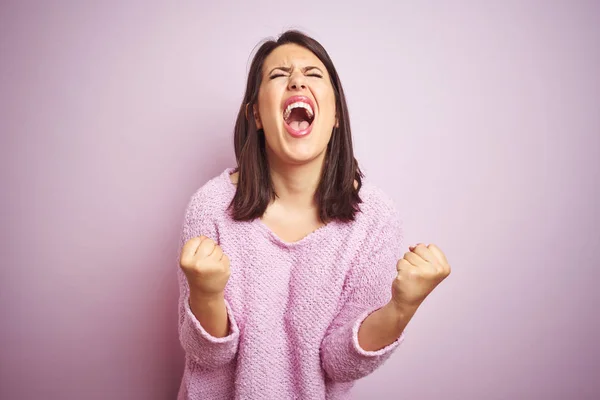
<point x="337" y="196"/>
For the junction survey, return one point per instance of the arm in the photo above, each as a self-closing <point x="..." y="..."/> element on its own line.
<point x="384" y="326"/>
<point x="211" y="312"/>
<point x="368" y="328"/>
<point x="207" y="329"/>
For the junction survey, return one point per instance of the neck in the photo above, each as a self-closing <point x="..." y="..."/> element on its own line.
<point x="296" y="185"/>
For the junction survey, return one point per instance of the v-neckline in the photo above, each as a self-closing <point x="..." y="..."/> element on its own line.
<point x="278" y="240"/>
<point x="258" y="222"/>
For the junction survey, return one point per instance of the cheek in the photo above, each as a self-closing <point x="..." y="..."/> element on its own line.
<point x="268" y="101"/>
<point x="329" y="108"/>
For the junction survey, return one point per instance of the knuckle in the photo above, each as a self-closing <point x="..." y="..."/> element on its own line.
<point x="415" y="273"/>
<point x="206" y="243"/>
<point x="183" y="259"/>
<point x="204" y="250"/>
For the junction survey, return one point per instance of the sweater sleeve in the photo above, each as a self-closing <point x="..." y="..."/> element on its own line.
<point x="368" y="287"/>
<point x="208" y="351"/>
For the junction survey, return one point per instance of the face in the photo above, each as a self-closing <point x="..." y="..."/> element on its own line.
<point x="296" y="105"/>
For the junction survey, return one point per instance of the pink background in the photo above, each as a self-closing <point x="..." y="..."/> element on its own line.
<point x="481" y="119"/>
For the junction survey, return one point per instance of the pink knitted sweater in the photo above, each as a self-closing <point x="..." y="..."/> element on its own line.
<point x="294" y="308"/>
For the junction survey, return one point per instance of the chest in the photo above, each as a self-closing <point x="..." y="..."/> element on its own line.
<point x="280" y="283"/>
<point x="291" y="227"/>
<point x="291" y="287"/>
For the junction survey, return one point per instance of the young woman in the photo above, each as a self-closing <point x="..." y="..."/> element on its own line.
<point x="292" y="280"/>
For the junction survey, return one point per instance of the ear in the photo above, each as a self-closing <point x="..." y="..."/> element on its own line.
<point x="337" y="122"/>
<point x="257" y="117"/>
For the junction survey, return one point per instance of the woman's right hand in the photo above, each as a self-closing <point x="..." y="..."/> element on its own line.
<point x="205" y="266"/>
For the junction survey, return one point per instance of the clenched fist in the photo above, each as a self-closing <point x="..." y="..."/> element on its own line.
<point x="419" y="272"/>
<point x="205" y="266"/>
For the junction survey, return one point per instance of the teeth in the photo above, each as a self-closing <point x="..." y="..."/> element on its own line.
<point x="288" y="110"/>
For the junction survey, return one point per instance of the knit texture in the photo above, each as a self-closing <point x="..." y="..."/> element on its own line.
<point x="294" y="308"/>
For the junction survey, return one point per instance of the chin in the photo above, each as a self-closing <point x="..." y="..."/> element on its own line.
<point x="297" y="151"/>
<point x="297" y="155"/>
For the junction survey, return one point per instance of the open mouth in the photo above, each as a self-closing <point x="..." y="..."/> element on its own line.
<point x="298" y="116"/>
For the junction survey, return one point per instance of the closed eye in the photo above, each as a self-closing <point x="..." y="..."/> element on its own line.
<point x="280" y="75"/>
<point x="276" y="76"/>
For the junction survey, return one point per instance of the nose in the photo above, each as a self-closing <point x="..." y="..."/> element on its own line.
<point x="297" y="82"/>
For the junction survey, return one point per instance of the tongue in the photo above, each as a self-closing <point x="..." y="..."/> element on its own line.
<point x="299" y="125"/>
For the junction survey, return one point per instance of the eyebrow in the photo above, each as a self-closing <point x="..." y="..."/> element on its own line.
<point x="289" y="69"/>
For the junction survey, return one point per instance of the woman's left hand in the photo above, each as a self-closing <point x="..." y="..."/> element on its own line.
<point x="419" y="272"/>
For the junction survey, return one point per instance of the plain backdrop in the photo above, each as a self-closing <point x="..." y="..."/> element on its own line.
<point x="480" y="118"/>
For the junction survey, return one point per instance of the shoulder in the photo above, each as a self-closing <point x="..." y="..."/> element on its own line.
<point x="214" y="196"/>
<point x="377" y="228"/>
<point x="377" y="207"/>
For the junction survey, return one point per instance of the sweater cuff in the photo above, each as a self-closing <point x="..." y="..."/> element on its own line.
<point x="376" y="353"/>
<point x="234" y="330"/>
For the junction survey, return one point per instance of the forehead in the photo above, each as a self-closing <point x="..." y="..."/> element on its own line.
<point x="291" y="55"/>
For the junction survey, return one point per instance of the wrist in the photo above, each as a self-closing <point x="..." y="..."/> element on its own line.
<point x="400" y="312"/>
<point x="210" y="311"/>
<point x="200" y="297"/>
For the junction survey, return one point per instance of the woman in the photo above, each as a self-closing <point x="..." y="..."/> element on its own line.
<point x="292" y="280"/>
